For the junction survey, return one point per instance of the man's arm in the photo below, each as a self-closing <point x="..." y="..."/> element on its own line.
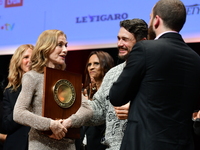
<point x="127" y="85"/>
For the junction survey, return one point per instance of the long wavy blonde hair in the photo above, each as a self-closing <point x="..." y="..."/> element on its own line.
<point x="15" y="71"/>
<point x="45" y="45"/>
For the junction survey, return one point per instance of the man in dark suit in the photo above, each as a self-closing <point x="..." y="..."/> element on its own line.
<point x="162" y="81"/>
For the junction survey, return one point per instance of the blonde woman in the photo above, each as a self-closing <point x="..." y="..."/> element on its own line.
<point x="50" y="51"/>
<point x="17" y="134"/>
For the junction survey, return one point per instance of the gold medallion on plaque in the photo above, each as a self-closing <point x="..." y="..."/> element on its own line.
<point x="64" y="93"/>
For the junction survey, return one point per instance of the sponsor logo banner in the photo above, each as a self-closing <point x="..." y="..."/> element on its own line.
<point x="13" y="3"/>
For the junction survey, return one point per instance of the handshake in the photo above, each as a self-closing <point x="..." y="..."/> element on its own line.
<point x="59" y="128"/>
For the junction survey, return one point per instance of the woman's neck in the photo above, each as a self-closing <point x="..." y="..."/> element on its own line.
<point x="55" y="66"/>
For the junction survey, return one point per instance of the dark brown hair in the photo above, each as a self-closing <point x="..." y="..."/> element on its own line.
<point x="137" y="27"/>
<point x="106" y="62"/>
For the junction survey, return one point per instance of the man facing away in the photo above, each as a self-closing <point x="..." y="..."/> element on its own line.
<point x="162" y="81"/>
<point x="131" y="31"/>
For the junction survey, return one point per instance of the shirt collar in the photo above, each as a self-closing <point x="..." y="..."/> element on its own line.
<point x="164" y="33"/>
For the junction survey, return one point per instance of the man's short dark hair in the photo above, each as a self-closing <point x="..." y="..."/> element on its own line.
<point x="172" y="12"/>
<point x="137" y="27"/>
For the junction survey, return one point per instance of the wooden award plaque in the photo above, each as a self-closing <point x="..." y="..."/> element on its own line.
<point x="61" y="96"/>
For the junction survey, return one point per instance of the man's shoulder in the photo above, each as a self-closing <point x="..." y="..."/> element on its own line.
<point x="153" y="45"/>
<point x="116" y="68"/>
<point x="111" y="76"/>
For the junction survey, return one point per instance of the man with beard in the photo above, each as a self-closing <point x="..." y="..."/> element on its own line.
<point x="162" y="81"/>
<point x="131" y="31"/>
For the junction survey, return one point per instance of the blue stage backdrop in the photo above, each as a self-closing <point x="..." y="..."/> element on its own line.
<point x="89" y="24"/>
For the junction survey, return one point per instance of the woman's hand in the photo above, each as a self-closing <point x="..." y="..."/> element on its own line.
<point x="85" y="94"/>
<point x="196" y="115"/>
<point x="58" y="129"/>
<point x="93" y="88"/>
<point x="2" y="137"/>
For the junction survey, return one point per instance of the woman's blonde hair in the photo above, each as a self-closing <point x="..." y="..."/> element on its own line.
<point x="46" y="43"/>
<point x="15" y="70"/>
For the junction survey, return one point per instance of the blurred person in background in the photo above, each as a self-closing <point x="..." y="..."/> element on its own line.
<point x="17" y="134"/>
<point x="2" y="87"/>
<point x="98" y="64"/>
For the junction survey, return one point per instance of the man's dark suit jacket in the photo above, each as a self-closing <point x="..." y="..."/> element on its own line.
<point x="17" y="135"/>
<point x="162" y="81"/>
